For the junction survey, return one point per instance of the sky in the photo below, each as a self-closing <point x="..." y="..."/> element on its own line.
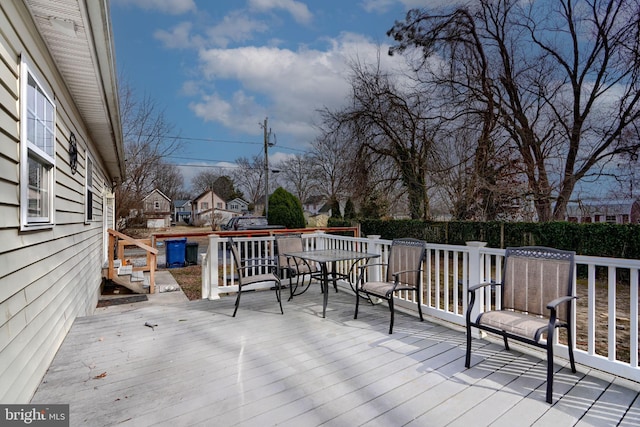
<point x="219" y="68"/>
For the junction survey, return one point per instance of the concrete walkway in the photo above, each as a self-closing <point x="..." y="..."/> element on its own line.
<point x="167" y="292"/>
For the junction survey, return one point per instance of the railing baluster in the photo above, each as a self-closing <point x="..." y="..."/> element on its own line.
<point x="450" y="269"/>
<point x="612" y="312"/>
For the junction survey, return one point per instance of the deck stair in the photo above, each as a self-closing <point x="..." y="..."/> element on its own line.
<point x="127" y="275"/>
<point x="134" y="280"/>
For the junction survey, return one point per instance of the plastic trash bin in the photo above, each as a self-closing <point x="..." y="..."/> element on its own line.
<point x="192" y="253"/>
<point x="175" y="252"/>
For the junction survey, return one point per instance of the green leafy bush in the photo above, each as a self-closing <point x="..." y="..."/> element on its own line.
<point x="285" y="209"/>
<point x="594" y="239"/>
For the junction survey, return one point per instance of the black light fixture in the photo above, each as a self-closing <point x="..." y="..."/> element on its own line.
<point x="73" y="153"/>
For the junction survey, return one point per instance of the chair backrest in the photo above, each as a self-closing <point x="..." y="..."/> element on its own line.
<point x="534" y="276"/>
<point x="285" y="243"/>
<point x="406" y="254"/>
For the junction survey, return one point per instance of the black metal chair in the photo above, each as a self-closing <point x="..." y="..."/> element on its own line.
<point x="403" y="273"/>
<point x="536" y="295"/>
<point x="250" y="271"/>
<point x="297" y="268"/>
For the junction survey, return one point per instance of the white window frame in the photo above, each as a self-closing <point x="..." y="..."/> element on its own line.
<point x="89" y="188"/>
<point x="35" y="151"/>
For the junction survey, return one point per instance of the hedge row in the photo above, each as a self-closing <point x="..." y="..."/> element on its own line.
<point x="594" y="239"/>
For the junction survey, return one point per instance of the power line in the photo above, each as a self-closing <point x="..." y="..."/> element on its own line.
<point x="199" y="159"/>
<point x="230" y="141"/>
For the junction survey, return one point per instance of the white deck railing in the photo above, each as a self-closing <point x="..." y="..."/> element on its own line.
<point x="606" y="314"/>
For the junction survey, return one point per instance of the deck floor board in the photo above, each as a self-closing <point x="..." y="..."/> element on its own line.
<point x="200" y="366"/>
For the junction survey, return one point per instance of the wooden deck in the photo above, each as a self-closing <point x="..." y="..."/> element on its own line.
<point x="200" y="366"/>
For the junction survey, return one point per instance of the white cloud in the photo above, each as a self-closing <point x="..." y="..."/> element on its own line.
<point x="179" y="37"/>
<point x="298" y="10"/>
<point x="172" y="7"/>
<point x="379" y="6"/>
<point x="287" y="86"/>
<point x="235" y="27"/>
<point x="190" y="170"/>
<point x="382" y="6"/>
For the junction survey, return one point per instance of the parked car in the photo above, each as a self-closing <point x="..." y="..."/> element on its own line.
<point x="247" y="222"/>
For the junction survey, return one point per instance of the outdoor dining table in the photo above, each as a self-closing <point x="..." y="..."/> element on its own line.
<point x="333" y="256"/>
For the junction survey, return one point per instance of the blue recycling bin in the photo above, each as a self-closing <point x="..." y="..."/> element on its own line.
<point x="175" y="252"/>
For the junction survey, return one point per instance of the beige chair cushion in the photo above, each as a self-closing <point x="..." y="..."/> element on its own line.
<point x="521" y="324"/>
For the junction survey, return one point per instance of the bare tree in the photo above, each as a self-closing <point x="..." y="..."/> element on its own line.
<point x="169" y="180"/>
<point x="216" y="180"/>
<point x="147" y="140"/>
<point x="203" y="180"/>
<point x="332" y="162"/>
<point x="387" y="122"/>
<point x="295" y="173"/>
<point x="249" y="178"/>
<point x="561" y="77"/>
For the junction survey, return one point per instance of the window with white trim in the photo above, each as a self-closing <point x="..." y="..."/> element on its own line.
<point x="89" y="190"/>
<point x="37" y="150"/>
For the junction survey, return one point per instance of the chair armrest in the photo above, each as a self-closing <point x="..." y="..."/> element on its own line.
<point x="397" y="273"/>
<point x="265" y="265"/>
<point x="367" y="265"/>
<point x="251" y="263"/>
<point x="475" y="287"/>
<point x="556" y="302"/>
<point x="294" y="262"/>
<point x="262" y="261"/>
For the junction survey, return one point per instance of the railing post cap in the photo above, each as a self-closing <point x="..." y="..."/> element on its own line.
<point x="476" y="244"/>
<point x="374" y="236"/>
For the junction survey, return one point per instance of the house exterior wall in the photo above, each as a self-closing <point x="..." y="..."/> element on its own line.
<point x="157" y="210"/>
<point x="51" y="275"/>
<point x="156" y="203"/>
<point x="237" y="205"/>
<point x="612" y="212"/>
<point x="203" y="203"/>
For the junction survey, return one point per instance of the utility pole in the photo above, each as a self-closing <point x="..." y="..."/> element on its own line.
<point x="267" y="144"/>
<point x="266" y="168"/>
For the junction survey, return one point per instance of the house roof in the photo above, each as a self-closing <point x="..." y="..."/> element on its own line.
<point x="79" y="36"/>
<point x="181" y="203"/>
<point x="314" y="200"/>
<point x="155" y="190"/>
<point x="238" y="200"/>
<point x="207" y="193"/>
<point x="600" y="207"/>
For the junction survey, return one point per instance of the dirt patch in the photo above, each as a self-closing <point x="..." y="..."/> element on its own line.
<point x="190" y="280"/>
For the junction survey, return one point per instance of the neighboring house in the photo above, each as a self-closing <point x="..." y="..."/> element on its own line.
<point x="320" y="218"/>
<point x="238" y="205"/>
<point x="182" y="211"/>
<point x="313" y="205"/>
<point x="61" y="154"/>
<point x="611" y="211"/>
<point x="206" y="205"/>
<point x="156" y="209"/>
